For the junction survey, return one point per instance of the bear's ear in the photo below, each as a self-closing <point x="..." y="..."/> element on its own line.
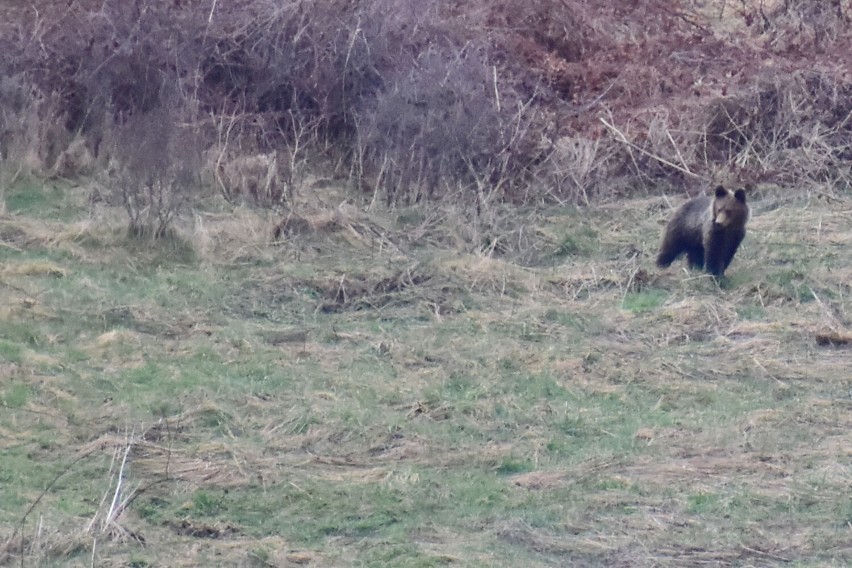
<point x="740" y="195"/>
<point x="721" y="192"/>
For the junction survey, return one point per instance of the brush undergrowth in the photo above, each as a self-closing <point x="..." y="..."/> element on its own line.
<point x="572" y="101"/>
<point x="347" y="399"/>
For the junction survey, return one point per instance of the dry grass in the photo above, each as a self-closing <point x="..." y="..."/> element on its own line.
<point x="380" y="388"/>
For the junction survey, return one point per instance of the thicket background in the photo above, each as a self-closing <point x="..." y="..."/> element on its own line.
<point x="527" y="101"/>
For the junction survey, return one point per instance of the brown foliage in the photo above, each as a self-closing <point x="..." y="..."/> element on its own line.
<point x="442" y="99"/>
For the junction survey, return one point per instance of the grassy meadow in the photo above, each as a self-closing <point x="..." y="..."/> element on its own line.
<point x="411" y="387"/>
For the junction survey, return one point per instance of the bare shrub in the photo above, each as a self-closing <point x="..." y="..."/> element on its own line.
<point x="154" y="172"/>
<point x="86" y="70"/>
<point x="792" y="129"/>
<point x="787" y="25"/>
<point x="398" y="93"/>
<point x="429" y="128"/>
<point x="31" y="131"/>
<point x="297" y="68"/>
<point x="443" y="117"/>
<point x="576" y="168"/>
<point x="481" y="102"/>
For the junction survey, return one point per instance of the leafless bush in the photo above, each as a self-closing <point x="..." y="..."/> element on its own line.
<point x="444" y="117"/>
<point x="576" y="168"/>
<point x="31" y="133"/>
<point x="820" y="23"/>
<point x="480" y="101"/>
<point x="436" y="124"/>
<point x="793" y="129"/>
<point x="155" y="167"/>
<point x="87" y="71"/>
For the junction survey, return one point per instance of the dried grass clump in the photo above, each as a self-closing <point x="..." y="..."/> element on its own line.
<point x="253" y="177"/>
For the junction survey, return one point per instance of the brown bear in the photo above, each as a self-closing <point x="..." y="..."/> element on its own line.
<point x="708" y="229"/>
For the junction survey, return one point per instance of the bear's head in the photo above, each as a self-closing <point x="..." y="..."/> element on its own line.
<point x="730" y="209"/>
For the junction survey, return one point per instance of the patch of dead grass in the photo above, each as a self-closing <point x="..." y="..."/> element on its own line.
<point x="35" y="268"/>
<point x="115" y="337"/>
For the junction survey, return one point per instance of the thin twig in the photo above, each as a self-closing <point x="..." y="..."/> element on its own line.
<point x="647" y="153"/>
<point x="496" y="90"/>
<point x="212" y="11"/>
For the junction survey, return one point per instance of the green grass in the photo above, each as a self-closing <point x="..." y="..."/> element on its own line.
<point x="551" y="417"/>
<point x="39" y="200"/>
<point x="581" y="243"/>
<point x="644" y="301"/>
<point x="11" y="352"/>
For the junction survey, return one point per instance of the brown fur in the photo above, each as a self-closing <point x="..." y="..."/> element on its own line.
<point x="708" y="229"/>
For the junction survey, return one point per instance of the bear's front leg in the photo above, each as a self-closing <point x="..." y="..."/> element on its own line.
<point x="715" y="252"/>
